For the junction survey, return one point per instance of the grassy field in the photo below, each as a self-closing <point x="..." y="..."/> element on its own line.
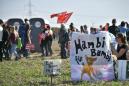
<point x="29" y="72"/>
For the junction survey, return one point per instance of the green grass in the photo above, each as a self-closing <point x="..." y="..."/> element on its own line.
<point x="29" y="72"/>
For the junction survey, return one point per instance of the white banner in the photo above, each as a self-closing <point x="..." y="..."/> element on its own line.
<point x="90" y="57"/>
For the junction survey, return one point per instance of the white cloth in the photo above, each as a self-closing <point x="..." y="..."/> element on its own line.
<point x="1" y="33"/>
<point x="51" y="32"/>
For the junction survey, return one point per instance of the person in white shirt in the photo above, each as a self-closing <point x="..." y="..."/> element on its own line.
<point x="1" y="32"/>
<point x="1" y="43"/>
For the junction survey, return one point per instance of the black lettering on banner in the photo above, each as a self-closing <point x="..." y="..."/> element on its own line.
<point x="90" y="44"/>
<point x="108" y="57"/>
<point x="98" y="43"/>
<point x="93" y="53"/>
<point x="78" y="46"/>
<point x="103" y="54"/>
<point x="78" y="59"/>
<point x="103" y="42"/>
<point x="84" y="45"/>
<point x="98" y="53"/>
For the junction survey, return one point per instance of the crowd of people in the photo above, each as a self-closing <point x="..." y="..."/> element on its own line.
<point x="14" y="41"/>
<point x="119" y="37"/>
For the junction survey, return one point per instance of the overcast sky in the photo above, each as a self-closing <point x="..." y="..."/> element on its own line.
<point x="90" y="12"/>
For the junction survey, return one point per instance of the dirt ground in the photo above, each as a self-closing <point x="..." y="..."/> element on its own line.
<point x="55" y="49"/>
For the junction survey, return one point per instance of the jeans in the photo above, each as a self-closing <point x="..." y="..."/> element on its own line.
<point x="14" y="50"/>
<point x="1" y="53"/>
<point x="63" y="50"/>
<point x="6" y="52"/>
<point x="49" y="47"/>
<point x="25" y="51"/>
<point x="44" y="48"/>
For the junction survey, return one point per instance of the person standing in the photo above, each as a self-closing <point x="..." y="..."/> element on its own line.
<point x="113" y="29"/>
<point x="71" y="30"/>
<point x="85" y="29"/>
<point x="6" y="43"/>
<point x="82" y="29"/>
<point x="24" y="33"/>
<point x="1" y="43"/>
<point x="13" y="39"/>
<point x="50" y="39"/>
<point x="121" y="47"/>
<point x="41" y="39"/>
<point x="63" y="40"/>
<point x="122" y="28"/>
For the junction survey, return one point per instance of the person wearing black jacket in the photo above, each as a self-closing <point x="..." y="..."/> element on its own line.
<point x="63" y="40"/>
<point x="113" y="29"/>
<point x="6" y="43"/>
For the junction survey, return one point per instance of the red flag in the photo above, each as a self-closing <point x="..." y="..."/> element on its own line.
<point x="54" y="15"/>
<point x="57" y="14"/>
<point x="62" y="17"/>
